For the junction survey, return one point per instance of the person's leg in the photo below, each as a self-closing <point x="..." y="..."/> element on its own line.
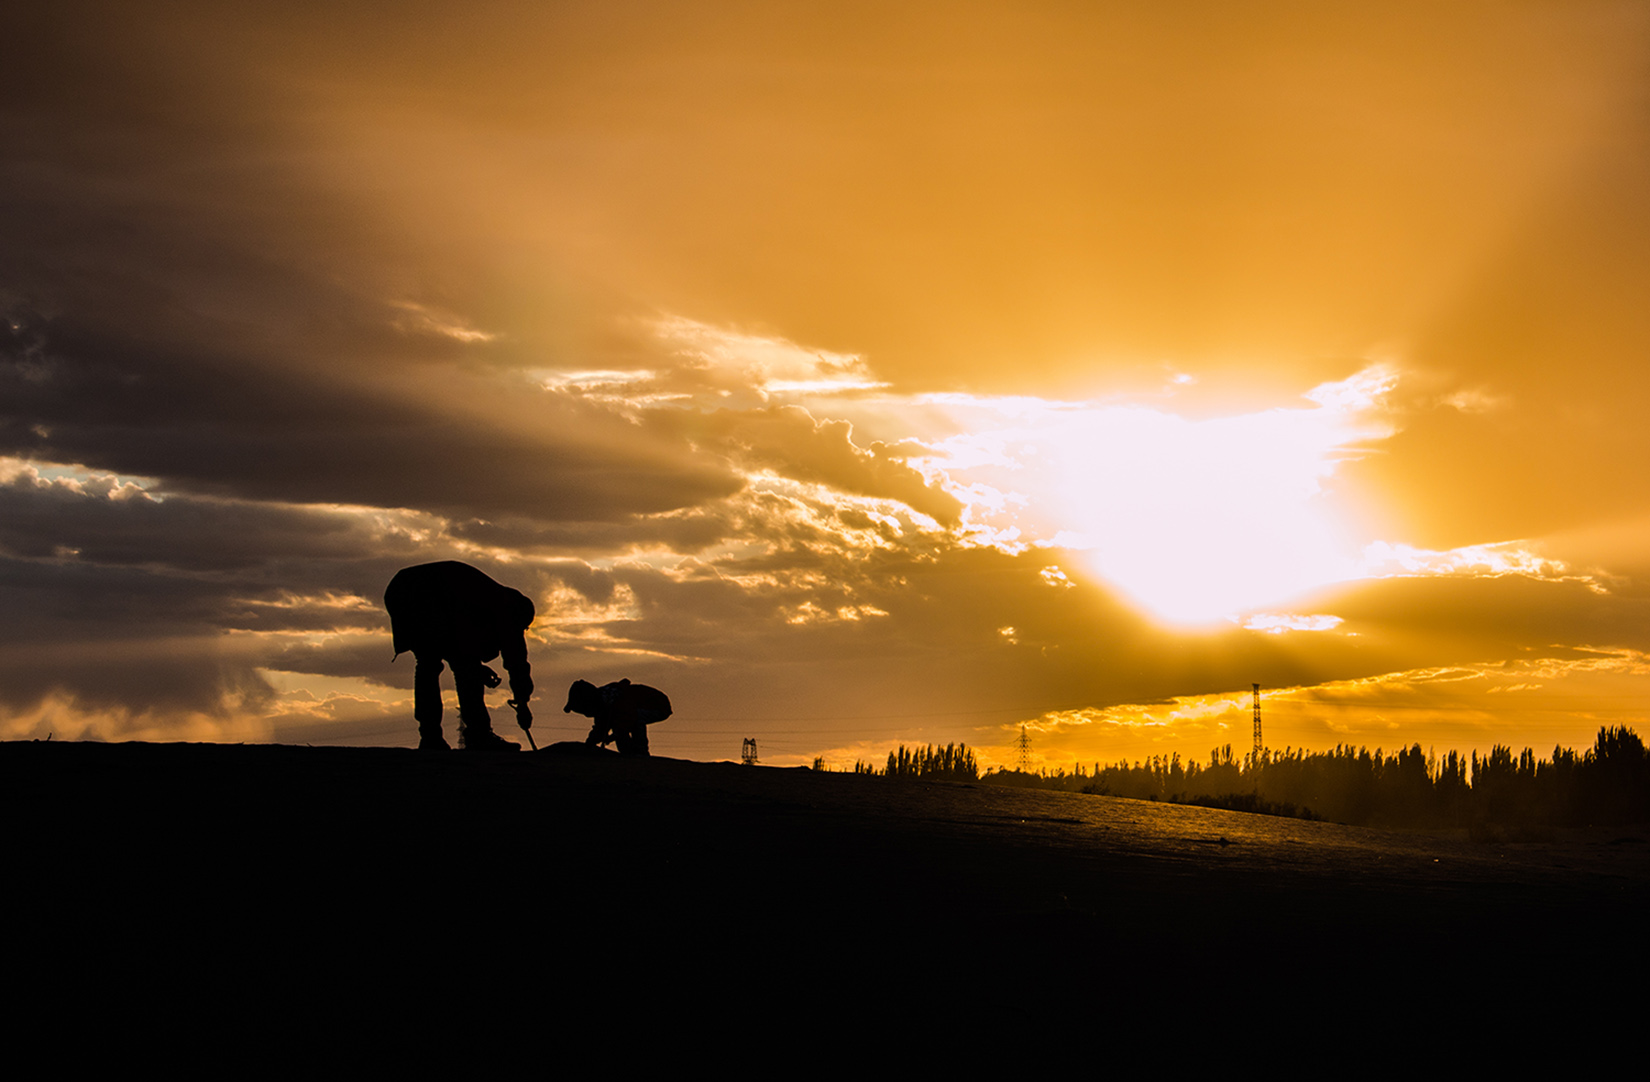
<point x="634" y="740"/>
<point x="427" y="702"/>
<point x="475" y="725"/>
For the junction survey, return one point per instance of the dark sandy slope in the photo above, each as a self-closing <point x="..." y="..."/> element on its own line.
<point x="449" y="888"/>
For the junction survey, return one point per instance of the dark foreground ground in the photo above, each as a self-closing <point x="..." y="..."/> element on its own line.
<point x="332" y="885"/>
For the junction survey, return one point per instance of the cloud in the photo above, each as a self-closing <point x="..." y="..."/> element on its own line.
<point x="1476" y="400"/>
<point x="1382" y="559"/>
<point x="224" y="423"/>
<point x="101" y="519"/>
<point x="788" y="441"/>
<point x="1277" y="623"/>
<point x="1462" y="619"/>
<point x="732" y="363"/>
<point x="134" y="643"/>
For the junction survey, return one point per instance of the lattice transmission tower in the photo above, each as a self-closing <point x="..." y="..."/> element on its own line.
<point x="1024" y="745"/>
<point x="1258" y="744"/>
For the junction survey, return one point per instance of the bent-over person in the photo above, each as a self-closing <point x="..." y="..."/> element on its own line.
<point x="621" y="712"/>
<point x="454" y="613"/>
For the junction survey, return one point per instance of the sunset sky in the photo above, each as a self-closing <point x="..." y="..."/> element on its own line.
<point x="856" y="374"/>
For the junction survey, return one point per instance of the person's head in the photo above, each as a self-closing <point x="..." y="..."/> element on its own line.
<point x="583" y="698"/>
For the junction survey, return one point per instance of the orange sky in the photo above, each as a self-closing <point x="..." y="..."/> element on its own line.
<point x="856" y="376"/>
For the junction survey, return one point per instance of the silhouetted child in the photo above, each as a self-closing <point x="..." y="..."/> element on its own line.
<point x="453" y="612"/>
<point x="622" y="712"/>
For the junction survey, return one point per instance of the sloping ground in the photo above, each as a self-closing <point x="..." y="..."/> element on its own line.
<point x="456" y="889"/>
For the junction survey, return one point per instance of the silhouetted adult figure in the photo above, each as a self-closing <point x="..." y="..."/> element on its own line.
<point x="452" y="612"/>
<point x="622" y="712"/>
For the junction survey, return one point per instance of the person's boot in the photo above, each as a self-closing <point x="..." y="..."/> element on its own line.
<point x="432" y="740"/>
<point x="482" y="738"/>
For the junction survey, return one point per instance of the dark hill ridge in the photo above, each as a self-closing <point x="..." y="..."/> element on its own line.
<point x="408" y="870"/>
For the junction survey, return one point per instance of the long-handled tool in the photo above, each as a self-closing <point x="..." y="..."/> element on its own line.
<point x="524" y="718"/>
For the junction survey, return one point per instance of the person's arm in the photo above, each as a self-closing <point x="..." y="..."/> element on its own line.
<point x="601" y="733"/>
<point x="514" y="655"/>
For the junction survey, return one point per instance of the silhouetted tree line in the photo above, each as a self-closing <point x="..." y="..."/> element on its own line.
<point x="1608" y="783"/>
<point x="954" y="762"/>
